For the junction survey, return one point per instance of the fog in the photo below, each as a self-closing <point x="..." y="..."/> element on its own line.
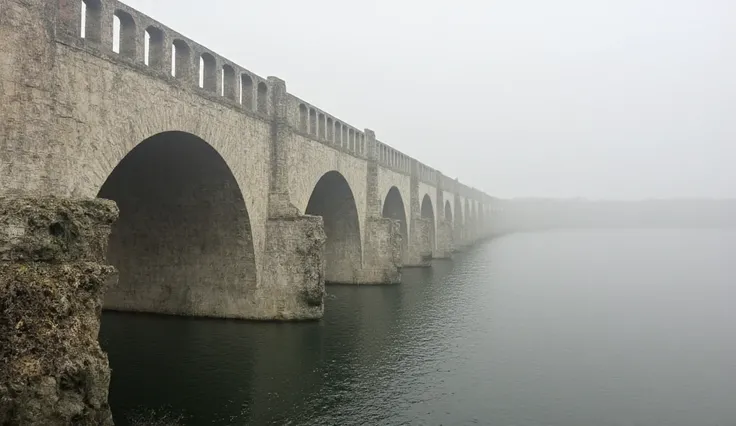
<point x="622" y="99"/>
<point x="523" y="215"/>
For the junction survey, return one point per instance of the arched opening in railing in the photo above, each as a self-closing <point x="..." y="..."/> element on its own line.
<point x="180" y="60"/>
<point x="153" y="54"/>
<point x="91" y="28"/>
<point x="207" y="74"/>
<point x="344" y="143"/>
<point x="262" y="98"/>
<point x="351" y="138"/>
<point x="303" y="113"/>
<point x="330" y="129"/>
<point x="124" y="34"/>
<point x="228" y="82"/>
<point x="338" y="133"/>
<point x="321" y="126"/>
<point x="246" y="91"/>
<point x="115" y="33"/>
<point x="312" y="122"/>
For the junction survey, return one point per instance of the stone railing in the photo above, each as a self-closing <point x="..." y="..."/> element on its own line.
<point x="393" y="159"/>
<point x="119" y="33"/>
<point x="315" y="123"/>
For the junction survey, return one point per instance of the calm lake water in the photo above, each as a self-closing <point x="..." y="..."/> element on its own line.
<point x="562" y="328"/>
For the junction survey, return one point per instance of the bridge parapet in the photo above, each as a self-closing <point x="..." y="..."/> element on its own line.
<point x="315" y="123"/>
<point x="393" y="159"/>
<point x="428" y="174"/>
<point x="121" y="34"/>
<point x="151" y="47"/>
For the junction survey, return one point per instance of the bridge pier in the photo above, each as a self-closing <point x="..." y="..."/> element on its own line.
<point x="444" y="227"/>
<point x="444" y="240"/>
<point x="420" y="247"/>
<point x="382" y="253"/>
<point x="382" y="239"/>
<point x="293" y="282"/>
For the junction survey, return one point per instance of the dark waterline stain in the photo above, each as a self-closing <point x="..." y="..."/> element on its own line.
<point x="558" y="328"/>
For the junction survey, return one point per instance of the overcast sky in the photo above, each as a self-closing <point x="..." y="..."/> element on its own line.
<point x="594" y="98"/>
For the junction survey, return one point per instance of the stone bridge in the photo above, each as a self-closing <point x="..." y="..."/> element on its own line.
<point x="236" y="197"/>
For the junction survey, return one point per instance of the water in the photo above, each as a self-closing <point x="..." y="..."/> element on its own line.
<point x="563" y="328"/>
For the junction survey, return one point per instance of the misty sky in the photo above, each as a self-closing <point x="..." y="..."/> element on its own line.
<point x="594" y="98"/>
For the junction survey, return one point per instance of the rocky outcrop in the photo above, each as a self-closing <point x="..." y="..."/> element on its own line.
<point x="53" y="277"/>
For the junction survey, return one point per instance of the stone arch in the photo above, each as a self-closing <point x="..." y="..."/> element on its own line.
<point x="338" y="133"/>
<point x="262" y="98"/>
<point x="246" y="91"/>
<point x="127" y="34"/>
<point x="154" y="56"/>
<point x="312" y="122"/>
<point x="228" y="82"/>
<point x="330" y="130"/>
<point x="207" y="72"/>
<point x="448" y="211"/>
<point x="332" y="198"/>
<point x="394" y="208"/>
<point x="427" y="212"/>
<point x="321" y="125"/>
<point x="303" y="126"/>
<point x="181" y="63"/>
<point x="92" y="20"/>
<point x="183" y="244"/>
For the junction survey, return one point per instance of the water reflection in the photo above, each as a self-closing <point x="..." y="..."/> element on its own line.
<point x="556" y="329"/>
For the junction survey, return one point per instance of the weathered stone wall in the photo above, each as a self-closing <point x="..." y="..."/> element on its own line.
<point x="53" y="279"/>
<point x="73" y="110"/>
<point x="382" y="258"/>
<point x="27" y="111"/>
<point x="294" y="285"/>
